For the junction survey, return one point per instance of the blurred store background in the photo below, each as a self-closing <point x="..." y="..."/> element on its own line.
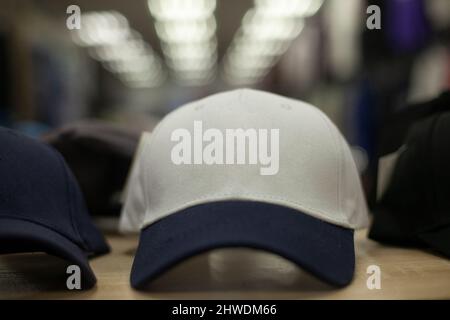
<point x="134" y="61"/>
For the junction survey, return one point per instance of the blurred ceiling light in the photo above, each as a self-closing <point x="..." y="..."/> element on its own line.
<point x="195" y="64"/>
<point x="102" y="28"/>
<point x="128" y="50"/>
<point x="258" y="27"/>
<point x="136" y="65"/>
<point x="288" y="8"/>
<point x="187" y="32"/>
<point x="142" y="77"/>
<point x="189" y="52"/>
<point x="257" y="48"/>
<point x="181" y="9"/>
<point x="195" y="73"/>
<point x="119" y="48"/>
<point x="239" y="67"/>
<point x="251" y="64"/>
<point x="266" y="33"/>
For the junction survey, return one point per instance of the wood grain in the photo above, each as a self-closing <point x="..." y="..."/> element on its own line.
<point x="230" y="274"/>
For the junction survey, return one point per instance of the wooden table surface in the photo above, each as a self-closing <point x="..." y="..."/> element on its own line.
<point x="231" y="274"/>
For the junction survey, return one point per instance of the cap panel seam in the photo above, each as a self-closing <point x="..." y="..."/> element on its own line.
<point x="144" y="173"/>
<point x="147" y="150"/>
<point x="149" y="146"/>
<point x="338" y="151"/>
<point x="70" y="199"/>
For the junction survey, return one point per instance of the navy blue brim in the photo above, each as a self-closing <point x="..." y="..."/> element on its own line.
<point x="20" y="236"/>
<point x="323" y="249"/>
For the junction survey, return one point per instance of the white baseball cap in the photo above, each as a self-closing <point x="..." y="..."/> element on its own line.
<point x="245" y="168"/>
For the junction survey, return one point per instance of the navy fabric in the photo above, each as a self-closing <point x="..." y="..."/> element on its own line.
<point x="39" y="193"/>
<point x="415" y="208"/>
<point x="323" y="249"/>
<point x="18" y="236"/>
<point x="100" y="155"/>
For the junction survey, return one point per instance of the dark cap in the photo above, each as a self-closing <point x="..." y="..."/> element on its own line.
<point x="415" y="209"/>
<point x="100" y="156"/>
<point x="41" y="206"/>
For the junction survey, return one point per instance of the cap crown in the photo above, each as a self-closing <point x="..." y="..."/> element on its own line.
<point x="316" y="172"/>
<point x="440" y="160"/>
<point x="36" y="186"/>
<point x="418" y="192"/>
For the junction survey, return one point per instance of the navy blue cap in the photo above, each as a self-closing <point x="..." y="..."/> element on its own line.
<point x="415" y="208"/>
<point x="41" y="206"/>
<point x="324" y="249"/>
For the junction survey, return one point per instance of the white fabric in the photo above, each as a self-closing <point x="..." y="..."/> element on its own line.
<point x="317" y="174"/>
<point x="133" y="212"/>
